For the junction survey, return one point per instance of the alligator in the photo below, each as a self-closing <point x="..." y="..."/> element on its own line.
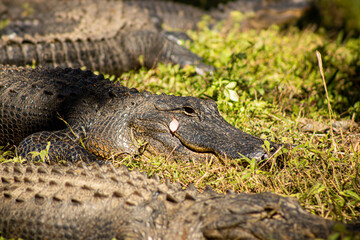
<point x="260" y="13"/>
<point x="111" y="36"/>
<point x="107" y="36"/>
<point x="87" y="117"/>
<point x="40" y="201"/>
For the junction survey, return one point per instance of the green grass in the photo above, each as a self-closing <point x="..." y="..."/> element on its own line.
<point x="267" y="81"/>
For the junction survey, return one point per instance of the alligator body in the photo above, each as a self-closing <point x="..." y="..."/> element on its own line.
<point x="106" y="36"/>
<point x="110" y="36"/>
<point x="73" y="109"/>
<point x="91" y="202"/>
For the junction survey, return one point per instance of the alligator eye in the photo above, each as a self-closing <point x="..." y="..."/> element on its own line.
<point x="189" y="110"/>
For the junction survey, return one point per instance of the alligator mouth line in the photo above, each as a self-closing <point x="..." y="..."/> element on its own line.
<point x="174" y="125"/>
<point x="193" y="147"/>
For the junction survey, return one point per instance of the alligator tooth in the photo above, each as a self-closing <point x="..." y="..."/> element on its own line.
<point x="174" y="125"/>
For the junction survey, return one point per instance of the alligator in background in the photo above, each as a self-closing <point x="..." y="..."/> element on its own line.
<point x="258" y="13"/>
<point x="110" y="36"/>
<point x="91" y="202"/>
<point x="84" y="115"/>
<point x="107" y="36"/>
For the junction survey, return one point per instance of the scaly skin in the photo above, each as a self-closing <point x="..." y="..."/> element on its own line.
<point x="260" y="13"/>
<point x="91" y="202"/>
<point x="106" y="36"/>
<point x="87" y="117"/>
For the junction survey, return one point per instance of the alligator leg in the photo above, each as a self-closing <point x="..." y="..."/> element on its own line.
<point x="58" y="146"/>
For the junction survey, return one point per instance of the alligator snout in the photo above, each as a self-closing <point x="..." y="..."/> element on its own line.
<point x="222" y="139"/>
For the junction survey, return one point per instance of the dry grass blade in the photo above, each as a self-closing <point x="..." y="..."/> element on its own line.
<point x="318" y="55"/>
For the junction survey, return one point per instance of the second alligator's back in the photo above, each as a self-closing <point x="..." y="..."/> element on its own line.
<point x="81" y="202"/>
<point x="106" y="36"/>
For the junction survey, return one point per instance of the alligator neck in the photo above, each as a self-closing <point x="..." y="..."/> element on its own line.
<point x="110" y="135"/>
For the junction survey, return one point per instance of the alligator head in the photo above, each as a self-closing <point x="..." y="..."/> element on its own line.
<point x="188" y="127"/>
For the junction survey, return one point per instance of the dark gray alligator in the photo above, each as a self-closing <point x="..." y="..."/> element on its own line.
<point x="259" y="13"/>
<point x="110" y="36"/>
<point x="76" y="110"/>
<point x="35" y="17"/>
<point x="91" y="202"/>
<point x="107" y="36"/>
